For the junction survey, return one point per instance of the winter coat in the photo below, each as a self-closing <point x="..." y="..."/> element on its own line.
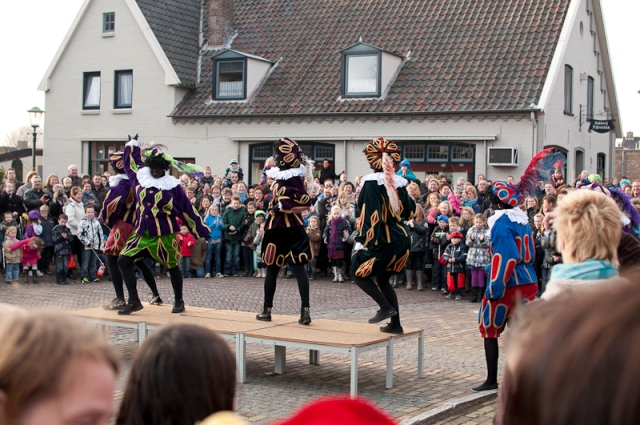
<point x="11" y="256"/>
<point x="89" y="196"/>
<point x="234" y="218"/>
<point x="478" y="249"/>
<point x="548" y="243"/>
<point x="63" y="246"/>
<point x="75" y="213"/>
<point x="30" y="256"/>
<point x="341" y="227"/>
<point x="186" y="244"/>
<point x="198" y="254"/>
<point x="216" y="225"/>
<point x="455" y="203"/>
<point x="90" y="234"/>
<point x="459" y="254"/>
<point x="418" y="236"/>
<point x="47" y="231"/>
<point x="315" y="239"/>
<point x="250" y="234"/>
<point x="32" y="199"/>
<point x="257" y="245"/>
<point x="438" y="241"/>
<point x="11" y="203"/>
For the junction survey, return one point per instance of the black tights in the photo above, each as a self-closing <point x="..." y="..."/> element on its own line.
<point x="128" y="268"/>
<point x="491" y="353"/>
<point x="116" y="275"/>
<point x="270" y="284"/>
<point x="382" y="293"/>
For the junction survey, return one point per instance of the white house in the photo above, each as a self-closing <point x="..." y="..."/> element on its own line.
<point x="465" y="87"/>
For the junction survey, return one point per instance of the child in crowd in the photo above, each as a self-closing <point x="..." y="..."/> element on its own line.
<point x="61" y="236"/>
<point x="216" y="195"/>
<point x="257" y="245"/>
<point x="444" y="208"/>
<point x="213" y="220"/>
<point x="467" y="220"/>
<point x="233" y="229"/>
<point x="438" y="243"/>
<point x="91" y="236"/>
<point x="315" y="239"/>
<point x="250" y="237"/>
<point x="226" y="200"/>
<point x="478" y="242"/>
<point x="455" y="255"/>
<point x="335" y="234"/>
<point x="33" y="224"/>
<point x="67" y="183"/>
<point x="234" y="167"/>
<point x="187" y="241"/>
<point x="247" y="237"/>
<point x="47" y="224"/>
<point x="31" y="249"/>
<point x="12" y="257"/>
<point x="454" y="199"/>
<point x="415" y="263"/>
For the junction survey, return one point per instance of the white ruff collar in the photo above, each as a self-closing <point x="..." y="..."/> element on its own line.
<point x="117" y="178"/>
<point x="516" y="215"/>
<point x="166" y="182"/>
<point x="399" y="181"/>
<point x="275" y="173"/>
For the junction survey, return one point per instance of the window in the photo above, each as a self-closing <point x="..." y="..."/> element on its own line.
<point x="229" y="79"/>
<point x="261" y="153"/>
<point x="462" y="153"/>
<point x="568" y="89"/>
<point x="590" y="85"/>
<point x="361" y="71"/>
<point x="414" y="152"/>
<point x="108" y="22"/>
<point x="91" y="91"/>
<point x="437" y="153"/>
<point x="601" y="164"/>
<point x="99" y="153"/>
<point x="123" y="89"/>
<point x="324" y="152"/>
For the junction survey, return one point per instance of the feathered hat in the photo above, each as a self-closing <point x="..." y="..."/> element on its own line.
<point x="288" y="154"/>
<point x="383" y="155"/>
<point x="191" y="169"/>
<point x="117" y="160"/>
<point x="540" y="169"/>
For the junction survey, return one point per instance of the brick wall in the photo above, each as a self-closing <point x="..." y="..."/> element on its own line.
<point x="631" y="166"/>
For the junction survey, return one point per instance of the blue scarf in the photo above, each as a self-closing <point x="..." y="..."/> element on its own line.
<point x="470" y="202"/>
<point x="589" y="270"/>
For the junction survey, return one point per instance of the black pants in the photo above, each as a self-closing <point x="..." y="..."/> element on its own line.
<point x="128" y="269"/>
<point x="270" y="284"/>
<point x="117" y="280"/>
<point x="382" y="293"/>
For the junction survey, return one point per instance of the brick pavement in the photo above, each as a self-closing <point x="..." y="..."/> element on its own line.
<point x="454" y="357"/>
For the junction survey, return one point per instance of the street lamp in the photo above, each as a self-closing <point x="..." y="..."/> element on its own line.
<point x="35" y="115"/>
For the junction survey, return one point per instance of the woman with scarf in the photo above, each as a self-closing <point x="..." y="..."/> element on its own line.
<point x="383" y="245"/>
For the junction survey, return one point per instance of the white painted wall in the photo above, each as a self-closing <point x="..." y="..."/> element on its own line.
<point x="558" y="128"/>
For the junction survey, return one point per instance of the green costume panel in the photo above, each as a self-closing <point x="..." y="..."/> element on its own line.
<point x="163" y="249"/>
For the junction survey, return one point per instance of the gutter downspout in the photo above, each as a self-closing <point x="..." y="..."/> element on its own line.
<point x="344" y="148"/>
<point x="534" y="134"/>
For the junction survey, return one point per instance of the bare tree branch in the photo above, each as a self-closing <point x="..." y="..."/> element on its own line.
<point x="22" y="133"/>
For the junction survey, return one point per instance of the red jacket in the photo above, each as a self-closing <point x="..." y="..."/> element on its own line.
<point x="186" y="244"/>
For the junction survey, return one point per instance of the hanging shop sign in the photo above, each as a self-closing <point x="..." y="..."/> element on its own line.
<point x="601" y="126"/>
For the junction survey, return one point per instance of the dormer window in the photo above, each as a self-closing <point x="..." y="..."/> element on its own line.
<point x="236" y="74"/>
<point x="364" y="73"/>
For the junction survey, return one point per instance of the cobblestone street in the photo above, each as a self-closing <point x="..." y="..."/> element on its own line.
<point x="454" y="356"/>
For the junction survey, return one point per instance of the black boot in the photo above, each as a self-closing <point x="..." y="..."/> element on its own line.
<point x="383" y="314"/>
<point x="474" y="295"/>
<point x="392" y="330"/>
<point x="305" y="317"/>
<point x="265" y="316"/>
<point x="26" y="277"/>
<point x="132" y="305"/>
<point x="178" y="306"/>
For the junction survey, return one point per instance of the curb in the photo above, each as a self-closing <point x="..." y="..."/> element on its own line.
<point x="449" y="408"/>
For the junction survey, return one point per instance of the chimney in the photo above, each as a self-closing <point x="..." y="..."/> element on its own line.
<point x="220" y="22"/>
<point x="630" y="135"/>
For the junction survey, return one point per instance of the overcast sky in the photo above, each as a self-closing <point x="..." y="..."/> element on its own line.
<point x="31" y="32"/>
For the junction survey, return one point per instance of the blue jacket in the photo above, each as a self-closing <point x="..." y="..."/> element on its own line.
<point x="216" y="225"/>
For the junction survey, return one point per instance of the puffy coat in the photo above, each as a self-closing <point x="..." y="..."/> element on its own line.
<point x="418" y="236"/>
<point x="234" y="218"/>
<point x="75" y="213"/>
<point x="341" y="227"/>
<point x="63" y="246"/>
<point x="459" y="254"/>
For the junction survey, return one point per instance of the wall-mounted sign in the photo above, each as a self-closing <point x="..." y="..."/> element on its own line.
<point x="601" y="126"/>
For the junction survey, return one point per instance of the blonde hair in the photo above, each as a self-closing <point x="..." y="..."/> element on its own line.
<point x="336" y="208"/>
<point x="471" y="220"/>
<point x="419" y="214"/>
<point x="450" y="212"/>
<point x="589" y="226"/>
<point x="472" y="190"/>
<point x="37" y="352"/>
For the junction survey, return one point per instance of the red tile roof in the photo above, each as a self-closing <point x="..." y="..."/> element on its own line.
<point x="465" y="55"/>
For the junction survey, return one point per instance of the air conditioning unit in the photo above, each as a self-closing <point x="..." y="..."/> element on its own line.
<point x="503" y="157"/>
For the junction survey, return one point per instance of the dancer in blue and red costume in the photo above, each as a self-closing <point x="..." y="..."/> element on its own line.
<point x="511" y="276"/>
<point x="119" y="213"/>
<point x="285" y="241"/>
<point x="160" y="202"/>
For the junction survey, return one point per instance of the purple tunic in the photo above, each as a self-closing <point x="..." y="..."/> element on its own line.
<point x="119" y="204"/>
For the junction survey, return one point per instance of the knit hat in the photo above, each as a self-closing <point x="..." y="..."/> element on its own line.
<point x="595" y="177"/>
<point x="233" y="161"/>
<point x="34" y="214"/>
<point x="627" y="182"/>
<point x="330" y="410"/>
<point x="376" y="147"/>
<point x="259" y="212"/>
<point x="117" y="160"/>
<point x="456" y="235"/>
<point x="443" y="218"/>
<point x="405" y="163"/>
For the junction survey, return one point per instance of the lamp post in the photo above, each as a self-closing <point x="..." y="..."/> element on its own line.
<point x="35" y="115"/>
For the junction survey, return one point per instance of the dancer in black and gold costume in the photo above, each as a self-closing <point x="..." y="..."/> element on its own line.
<point x="383" y="244"/>
<point x="285" y="241"/>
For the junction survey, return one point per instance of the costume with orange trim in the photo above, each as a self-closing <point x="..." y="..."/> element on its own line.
<point x="285" y="241"/>
<point x="383" y="244"/>
<point x="511" y="276"/>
